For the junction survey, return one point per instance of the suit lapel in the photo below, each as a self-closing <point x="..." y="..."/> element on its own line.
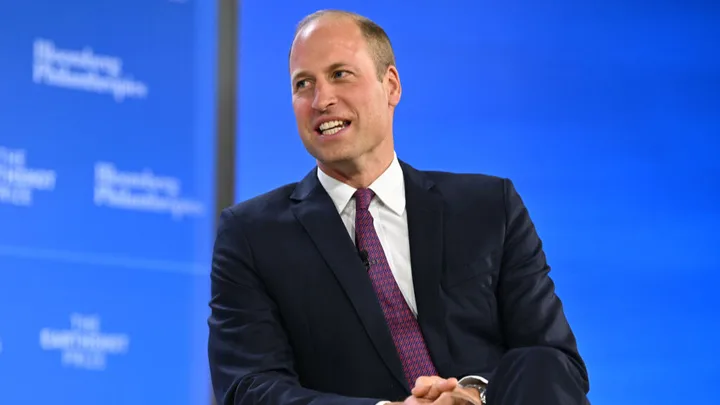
<point x="425" y="227"/>
<point x="316" y="212"/>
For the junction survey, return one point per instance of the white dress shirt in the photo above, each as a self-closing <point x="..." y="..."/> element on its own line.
<point x="389" y="217"/>
<point x="390" y="220"/>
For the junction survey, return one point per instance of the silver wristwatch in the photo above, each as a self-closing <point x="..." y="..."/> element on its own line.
<point x="478" y="383"/>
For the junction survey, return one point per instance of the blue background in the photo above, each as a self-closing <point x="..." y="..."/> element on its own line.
<point x="606" y="115"/>
<point x="143" y="274"/>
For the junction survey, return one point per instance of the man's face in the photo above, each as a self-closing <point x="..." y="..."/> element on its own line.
<point x="343" y="111"/>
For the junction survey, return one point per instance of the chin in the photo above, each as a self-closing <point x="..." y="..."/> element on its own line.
<point x="336" y="156"/>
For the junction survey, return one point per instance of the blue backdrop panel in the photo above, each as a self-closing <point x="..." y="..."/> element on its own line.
<point x="122" y="338"/>
<point x="605" y="115"/>
<point x="106" y="201"/>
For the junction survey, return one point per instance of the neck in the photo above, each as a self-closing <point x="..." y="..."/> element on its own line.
<point x="358" y="174"/>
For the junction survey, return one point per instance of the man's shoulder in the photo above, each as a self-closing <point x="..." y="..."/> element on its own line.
<point x="463" y="191"/>
<point x="453" y="182"/>
<point x="266" y="205"/>
<point x="461" y="178"/>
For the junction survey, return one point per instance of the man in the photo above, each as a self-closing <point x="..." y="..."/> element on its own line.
<point x="371" y="281"/>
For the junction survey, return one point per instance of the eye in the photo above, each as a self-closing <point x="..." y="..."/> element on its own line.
<point x="339" y="74"/>
<point x="300" y="84"/>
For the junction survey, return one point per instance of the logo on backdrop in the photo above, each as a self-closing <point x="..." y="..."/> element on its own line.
<point x="18" y="181"/>
<point x="142" y="191"/>
<point x="83" y="70"/>
<point x="84" y="345"/>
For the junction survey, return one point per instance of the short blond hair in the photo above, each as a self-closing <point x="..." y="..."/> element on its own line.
<point x="377" y="39"/>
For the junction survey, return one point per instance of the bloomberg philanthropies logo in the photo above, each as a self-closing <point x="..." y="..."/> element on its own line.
<point x="143" y="191"/>
<point x="83" y="70"/>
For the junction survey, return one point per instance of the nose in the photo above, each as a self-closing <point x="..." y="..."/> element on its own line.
<point x="324" y="97"/>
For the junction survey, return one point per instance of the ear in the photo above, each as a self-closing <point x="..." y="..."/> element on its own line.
<point x="393" y="88"/>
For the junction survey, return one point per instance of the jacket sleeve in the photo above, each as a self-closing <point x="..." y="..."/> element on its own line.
<point x="531" y="312"/>
<point x="251" y="360"/>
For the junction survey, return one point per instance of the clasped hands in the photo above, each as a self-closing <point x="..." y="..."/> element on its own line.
<point x="439" y="391"/>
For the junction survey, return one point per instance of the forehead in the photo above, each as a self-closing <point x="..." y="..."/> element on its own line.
<point x="328" y="41"/>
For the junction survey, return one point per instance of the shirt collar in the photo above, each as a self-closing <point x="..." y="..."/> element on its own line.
<point x="389" y="188"/>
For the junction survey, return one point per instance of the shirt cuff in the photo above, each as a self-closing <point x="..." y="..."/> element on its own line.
<point x="468" y="378"/>
<point x="383" y="403"/>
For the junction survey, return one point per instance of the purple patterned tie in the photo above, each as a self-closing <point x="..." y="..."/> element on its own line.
<point x="404" y="328"/>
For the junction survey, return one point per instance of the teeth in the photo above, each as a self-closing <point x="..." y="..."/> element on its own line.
<point x="332" y="131"/>
<point x="331" y="124"/>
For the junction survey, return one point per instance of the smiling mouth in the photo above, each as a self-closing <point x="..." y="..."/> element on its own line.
<point x="332" y="127"/>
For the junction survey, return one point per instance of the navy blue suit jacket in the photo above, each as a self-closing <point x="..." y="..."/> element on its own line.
<point x="295" y="319"/>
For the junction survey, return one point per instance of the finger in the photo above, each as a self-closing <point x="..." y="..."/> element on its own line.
<point x="423" y="385"/>
<point x="416" y="401"/>
<point x="441" y="386"/>
<point x="421" y="390"/>
<point x="461" y="397"/>
<point x="447" y="398"/>
<point x="426" y="380"/>
<point x="451" y="383"/>
<point x="446" y="385"/>
<point x="454" y="398"/>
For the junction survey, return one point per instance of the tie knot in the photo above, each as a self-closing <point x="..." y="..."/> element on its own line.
<point x="363" y="196"/>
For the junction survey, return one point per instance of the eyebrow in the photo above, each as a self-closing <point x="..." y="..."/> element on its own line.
<point x="304" y="73"/>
